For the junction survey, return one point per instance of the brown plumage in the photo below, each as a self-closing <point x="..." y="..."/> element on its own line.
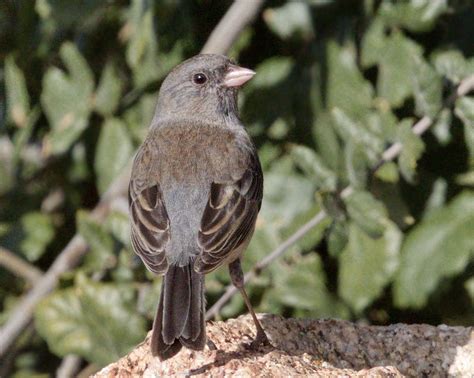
<point x="195" y="193"/>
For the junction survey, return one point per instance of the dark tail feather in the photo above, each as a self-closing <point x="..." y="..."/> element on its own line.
<point x="179" y="320"/>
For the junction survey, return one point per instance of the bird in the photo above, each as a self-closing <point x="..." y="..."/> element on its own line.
<point x="194" y="195"/>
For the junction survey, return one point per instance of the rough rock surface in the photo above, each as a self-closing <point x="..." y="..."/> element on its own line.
<point x="325" y="348"/>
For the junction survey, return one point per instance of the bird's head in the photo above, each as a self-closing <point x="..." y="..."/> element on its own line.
<point x="204" y="86"/>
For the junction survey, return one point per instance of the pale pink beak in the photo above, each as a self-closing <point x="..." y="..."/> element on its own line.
<point x="237" y="76"/>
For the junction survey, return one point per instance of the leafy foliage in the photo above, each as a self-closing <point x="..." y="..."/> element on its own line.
<point x="95" y="320"/>
<point x="440" y="245"/>
<point x="337" y="83"/>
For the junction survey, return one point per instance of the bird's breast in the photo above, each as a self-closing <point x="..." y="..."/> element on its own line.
<point x="188" y="160"/>
<point x="198" y="155"/>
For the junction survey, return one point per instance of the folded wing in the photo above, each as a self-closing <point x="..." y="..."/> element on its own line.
<point x="229" y="217"/>
<point x="150" y="226"/>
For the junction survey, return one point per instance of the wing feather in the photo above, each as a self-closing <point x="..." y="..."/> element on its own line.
<point x="150" y="225"/>
<point x="229" y="217"/>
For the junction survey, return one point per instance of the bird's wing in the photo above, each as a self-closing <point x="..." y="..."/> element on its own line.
<point x="150" y="225"/>
<point x="229" y="217"/>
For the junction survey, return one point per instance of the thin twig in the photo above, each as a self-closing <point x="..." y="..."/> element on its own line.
<point x="262" y="264"/>
<point x="69" y="366"/>
<point x="237" y="17"/>
<point x="394" y="150"/>
<point x="465" y="86"/>
<point x="390" y="153"/>
<point x="22" y="315"/>
<point x="70" y="256"/>
<point x="19" y="267"/>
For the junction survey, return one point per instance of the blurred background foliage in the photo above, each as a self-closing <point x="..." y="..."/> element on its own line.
<point x="337" y="83"/>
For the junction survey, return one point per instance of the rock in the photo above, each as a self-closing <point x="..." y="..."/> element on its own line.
<point x="325" y="348"/>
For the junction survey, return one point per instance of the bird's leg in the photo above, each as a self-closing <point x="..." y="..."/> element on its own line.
<point x="237" y="277"/>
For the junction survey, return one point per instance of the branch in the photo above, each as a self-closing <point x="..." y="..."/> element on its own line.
<point x="237" y="17"/>
<point x="262" y="264"/>
<point x="22" y="315"/>
<point x="70" y="257"/>
<point x="389" y="154"/>
<point x="19" y="267"/>
<point x="69" y="366"/>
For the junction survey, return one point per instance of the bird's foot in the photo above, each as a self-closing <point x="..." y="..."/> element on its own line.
<point x="260" y="340"/>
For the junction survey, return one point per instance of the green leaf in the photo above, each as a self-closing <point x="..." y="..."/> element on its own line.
<point x="314" y="167"/>
<point x="109" y="91"/>
<point x="337" y="238"/>
<point x="355" y="132"/>
<point x="18" y="100"/>
<point x="316" y="234"/>
<point x="332" y="205"/>
<point x="412" y="149"/>
<point x="438" y="247"/>
<point x="271" y="72"/>
<point x="469" y="286"/>
<point x="451" y="64"/>
<point x="101" y="254"/>
<point x="395" y="69"/>
<point x="39" y="232"/>
<point x="138" y="117"/>
<point x="119" y="225"/>
<point x="414" y="15"/>
<point x="369" y="214"/>
<point x="356" y="165"/>
<point x="147" y="295"/>
<point x="23" y="135"/>
<point x="66" y="99"/>
<point x="394" y="55"/>
<point x="302" y="285"/>
<point x="114" y="150"/>
<point x="286" y="194"/>
<point x="437" y="196"/>
<point x="265" y="239"/>
<point x="293" y="19"/>
<point x="373" y="43"/>
<point x="6" y="164"/>
<point x="268" y="153"/>
<point x="466" y="179"/>
<point x="427" y="87"/>
<point x="388" y="172"/>
<point x="367" y="265"/>
<point x="464" y="110"/>
<point x="142" y="48"/>
<point x="279" y="129"/>
<point x="124" y="270"/>
<point x="93" y="320"/>
<point x="346" y="87"/>
<point x="441" y="128"/>
<point x="395" y="203"/>
<point x="326" y="140"/>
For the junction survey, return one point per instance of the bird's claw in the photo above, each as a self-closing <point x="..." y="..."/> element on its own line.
<point x="260" y="340"/>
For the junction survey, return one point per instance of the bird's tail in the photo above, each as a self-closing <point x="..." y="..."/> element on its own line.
<point x="179" y="320"/>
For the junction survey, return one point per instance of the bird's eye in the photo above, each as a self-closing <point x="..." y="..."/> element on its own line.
<point x="199" y="78"/>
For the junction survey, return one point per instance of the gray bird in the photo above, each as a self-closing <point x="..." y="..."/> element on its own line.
<point x="194" y="195"/>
